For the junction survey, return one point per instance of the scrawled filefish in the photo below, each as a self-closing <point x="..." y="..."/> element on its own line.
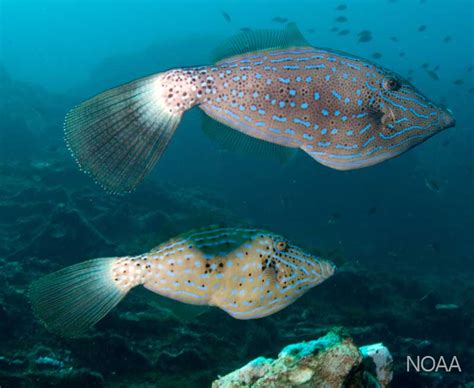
<point x="248" y="273"/>
<point x="343" y="111"/>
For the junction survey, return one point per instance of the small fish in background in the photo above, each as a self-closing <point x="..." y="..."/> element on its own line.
<point x="471" y="90"/>
<point x="436" y="68"/>
<point x="376" y="55"/>
<point x="421" y="28"/>
<point x="425" y="65"/>
<point x="344" y="32"/>
<point x="245" y="29"/>
<point x="445" y="143"/>
<point x="410" y="71"/>
<point x="341" y="19"/>
<point x="226" y="16"/>
<point x="334" y="29"/>
<point x="372" y="211"/>
<point x="432" y="185"/>
<point x="278" y="19"/>
<point x="364" y="32"/>
<point x="365" y="38"/>
<point x="269" y="87"/>
<point x="402" y="54"/>
<point x="248" y="273"/>
<point x="447" y="39"/>
<point x="469" y="68"/>
<point x="432" y="74"/>
<point x="341" y="7"/>
<point x="394" y="39"/>
<point x="458" y="82"/>
<point x="311" y="30"/>
<point x="435" y="247"/>
<point x="334" y="218"/>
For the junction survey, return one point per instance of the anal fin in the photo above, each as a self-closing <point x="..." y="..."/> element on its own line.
<point x="230" y="139"/>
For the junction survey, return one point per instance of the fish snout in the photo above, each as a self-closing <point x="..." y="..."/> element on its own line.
<point x="447" y="119"/>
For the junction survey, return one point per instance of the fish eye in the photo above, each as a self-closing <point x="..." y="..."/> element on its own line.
<point x="390" y="84"/>
<point x="281" y="245"/>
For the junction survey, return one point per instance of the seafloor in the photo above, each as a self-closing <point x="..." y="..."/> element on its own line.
<point x="52" y="215"/>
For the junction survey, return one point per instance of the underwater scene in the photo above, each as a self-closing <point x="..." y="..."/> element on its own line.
<point x="240" y="193"/>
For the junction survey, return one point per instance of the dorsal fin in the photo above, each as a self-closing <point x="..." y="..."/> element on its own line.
<point x="259" y="40"/>
<point x="214" y="240"/>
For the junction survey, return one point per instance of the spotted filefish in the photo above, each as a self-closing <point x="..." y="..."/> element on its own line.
<point x="248" y="273"/>
<point x="345" y="112"/>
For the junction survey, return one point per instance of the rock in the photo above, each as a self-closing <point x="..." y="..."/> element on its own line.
<point x="330" y="361"/>
<point x="382" y="360"/>
<point x="446" y="307"/>
<point x="66" y="234"/>
<point x="186" y="359"/>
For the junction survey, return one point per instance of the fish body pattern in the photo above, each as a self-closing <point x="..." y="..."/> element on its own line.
<point x="248" y="273"/>
<point x="343" y="111"/>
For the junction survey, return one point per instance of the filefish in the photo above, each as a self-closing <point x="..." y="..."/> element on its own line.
<point x="248" y="273"/>
<point x="343" y="111"/>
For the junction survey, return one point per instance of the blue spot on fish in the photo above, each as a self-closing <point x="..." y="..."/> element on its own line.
<point x="291" y="67"/>
<point x="363" y="130"/>
<point x="279" y="119"/>
<point x="336" y="94"/>
<point x="324" y="143"/>
<point x="319" y="66"/>
<point x="299" y="121"/>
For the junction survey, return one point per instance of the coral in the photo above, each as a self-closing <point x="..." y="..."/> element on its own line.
<point x="331" y="361"/>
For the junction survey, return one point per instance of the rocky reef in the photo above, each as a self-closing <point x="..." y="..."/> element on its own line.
<point x="52" y="215"/>
<point x="330" y="361"/>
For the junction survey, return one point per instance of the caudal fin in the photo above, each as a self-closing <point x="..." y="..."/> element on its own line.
<point x="75" y="298"/>
<point x="118" y="135"/>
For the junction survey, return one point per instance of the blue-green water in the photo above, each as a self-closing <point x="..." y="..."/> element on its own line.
<point x="401" y="230"/>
